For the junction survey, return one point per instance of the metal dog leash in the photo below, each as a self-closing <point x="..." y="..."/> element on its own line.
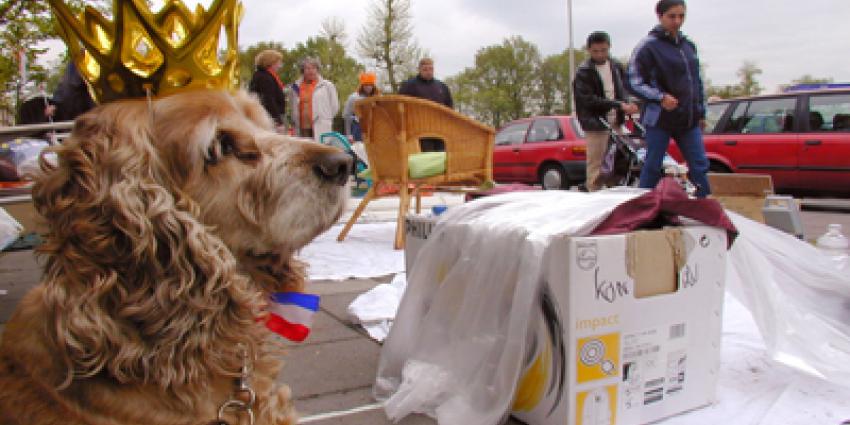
<point x="236" y="404"/>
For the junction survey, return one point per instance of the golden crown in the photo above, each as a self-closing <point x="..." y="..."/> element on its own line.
<point x="164" y="52"/>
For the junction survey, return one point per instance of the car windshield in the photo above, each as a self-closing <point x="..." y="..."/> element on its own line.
<point x="513" y="134"/>
<point x="713" y="114"/>
<point x="545" y="130"/>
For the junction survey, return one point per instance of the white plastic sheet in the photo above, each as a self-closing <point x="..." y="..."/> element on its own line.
<point x="366" y="252"/>
<point x="376" y="309"/>
<point x="10" y="229"/>
<point x="798" y="296"/>
<point x="455" y="350"/>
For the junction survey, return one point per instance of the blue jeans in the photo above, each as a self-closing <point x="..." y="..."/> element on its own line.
<point x="356" y="131"/>
<point x="692" y="148"/>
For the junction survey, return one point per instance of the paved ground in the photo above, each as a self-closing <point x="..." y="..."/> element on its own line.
<point x="332" y="372"/>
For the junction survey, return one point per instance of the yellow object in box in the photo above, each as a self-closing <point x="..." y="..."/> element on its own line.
<point x="631" y="326"/>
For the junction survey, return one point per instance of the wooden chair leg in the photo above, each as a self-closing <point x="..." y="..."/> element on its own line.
<point x="417" y="192"/>
<point x="371" y="194"/>
<point x="403" y="206"/>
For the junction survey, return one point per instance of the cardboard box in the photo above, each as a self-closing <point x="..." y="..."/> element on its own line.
<point x="742" y="193"/>
<point x="417" y="229"/>
<point x="629" y="330"/>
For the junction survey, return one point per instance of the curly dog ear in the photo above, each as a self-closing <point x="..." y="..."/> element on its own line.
<point x="140" y="288"/>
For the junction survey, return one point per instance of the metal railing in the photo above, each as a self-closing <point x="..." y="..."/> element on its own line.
<point x="59" y="129"/>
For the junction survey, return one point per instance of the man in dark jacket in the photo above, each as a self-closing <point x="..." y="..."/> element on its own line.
<point x="424" y="85"/>
<point x="71" y="97"/>
<point x="664" y="73"/>
<point x="599" y="94"/>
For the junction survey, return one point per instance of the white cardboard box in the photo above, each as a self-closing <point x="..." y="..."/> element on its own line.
<point x="614" y="345"/>
<point x="417" y="228"/>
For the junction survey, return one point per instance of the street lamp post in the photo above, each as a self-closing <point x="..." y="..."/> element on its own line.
<point x="572" y="54"/>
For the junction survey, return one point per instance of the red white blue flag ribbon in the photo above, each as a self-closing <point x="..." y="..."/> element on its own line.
<point x="291" y="314"/>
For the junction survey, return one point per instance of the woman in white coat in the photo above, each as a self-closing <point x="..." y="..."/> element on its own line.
<point x="314" y="101"/>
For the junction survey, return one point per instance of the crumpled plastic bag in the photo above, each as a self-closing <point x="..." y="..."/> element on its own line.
<point x="10" y="229"/>
<point x="799" y="299"/>
<point x="376" y="308"/>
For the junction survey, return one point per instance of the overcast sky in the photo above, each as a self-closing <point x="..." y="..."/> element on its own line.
<point x="785" y="38"/>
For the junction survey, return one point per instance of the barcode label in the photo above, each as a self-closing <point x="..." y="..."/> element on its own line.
<point x="653" y="395"/>
<point x="677" y="331"/>
<point x="632" y="354"/>
<point x="654" y="383"/>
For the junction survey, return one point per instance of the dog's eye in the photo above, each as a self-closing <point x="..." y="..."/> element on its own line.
<point x="228" y="145"/>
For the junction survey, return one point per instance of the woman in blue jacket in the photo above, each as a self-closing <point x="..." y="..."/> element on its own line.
<point x="664" y="73"/>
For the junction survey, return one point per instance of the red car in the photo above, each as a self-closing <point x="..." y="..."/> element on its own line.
<point x="801" y="139"/>
<point x="549" y="150"/>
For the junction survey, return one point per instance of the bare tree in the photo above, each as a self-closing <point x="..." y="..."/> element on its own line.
<point x="387" y="39"/>
<point x="333" y="28"/>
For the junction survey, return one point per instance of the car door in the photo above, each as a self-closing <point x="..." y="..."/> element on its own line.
<point x="825" y="149"/>
<point x="543" y="142"/>
<point x="506" y="152"/>
<point x="715" y="123"/>
<point x="760" y="138"/>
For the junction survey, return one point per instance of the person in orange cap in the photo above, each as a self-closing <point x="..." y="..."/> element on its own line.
<point x="367" y="88"/>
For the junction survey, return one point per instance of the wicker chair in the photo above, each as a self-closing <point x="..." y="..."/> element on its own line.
<point x="392" y="128"/>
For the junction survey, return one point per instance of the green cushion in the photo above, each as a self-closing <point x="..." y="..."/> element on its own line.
<point x="426" y="164"/>
<point x="419" y="165"/>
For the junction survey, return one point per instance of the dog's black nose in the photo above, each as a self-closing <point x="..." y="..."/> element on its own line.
<point x="334" y="167"/>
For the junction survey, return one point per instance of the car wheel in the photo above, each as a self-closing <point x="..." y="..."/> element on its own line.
<point x="553" y="177"/>
<point x="718" y="167"/>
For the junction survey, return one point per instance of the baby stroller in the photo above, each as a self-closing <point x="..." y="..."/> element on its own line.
<point x="622" y="161"/>
<point x="338" y="140"/>
<point x="625" y="155"/>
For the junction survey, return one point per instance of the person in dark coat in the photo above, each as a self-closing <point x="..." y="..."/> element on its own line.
<point x="267" y="85"/>
<point x="71" y="97"/>
<point x="425" y="86"/>
<point x="599" y="94"/>
<point x="664" y="73"/>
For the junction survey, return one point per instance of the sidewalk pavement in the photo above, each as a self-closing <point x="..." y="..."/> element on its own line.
<point x="331" y="374"/>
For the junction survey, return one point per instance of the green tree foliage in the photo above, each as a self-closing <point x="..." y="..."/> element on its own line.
<point x="747" y="86"/>
<point x="808" y="79"/>
<point x="556" y="82"/>
<point x="747" y="73"/>
<point x="23" y="25"/>
<point x="386" y="40"/>
<point x="246" y="61"/>
<point x="503" y="85"/>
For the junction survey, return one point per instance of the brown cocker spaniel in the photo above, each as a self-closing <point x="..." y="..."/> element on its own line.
<point x="168" y="226"/>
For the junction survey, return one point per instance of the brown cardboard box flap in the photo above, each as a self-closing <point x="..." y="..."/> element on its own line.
<point x="723" y="184"/>
<point x="654" y="258"/>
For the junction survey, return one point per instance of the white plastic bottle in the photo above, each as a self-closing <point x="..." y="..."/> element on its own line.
<point x="836" y="245"/>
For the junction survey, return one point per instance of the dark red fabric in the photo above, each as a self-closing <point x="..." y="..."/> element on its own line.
<point x="663" y="206"/>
